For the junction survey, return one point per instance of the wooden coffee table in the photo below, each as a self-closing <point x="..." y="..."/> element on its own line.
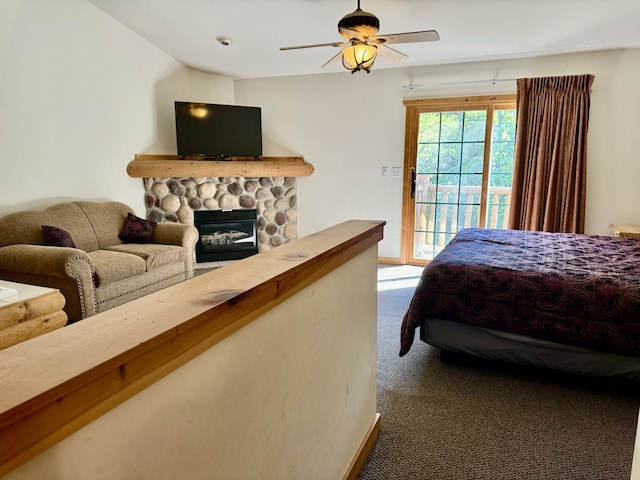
<point x="30" y="311"/>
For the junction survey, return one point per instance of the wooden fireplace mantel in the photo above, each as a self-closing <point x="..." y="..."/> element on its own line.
<point x="153" y="165"/>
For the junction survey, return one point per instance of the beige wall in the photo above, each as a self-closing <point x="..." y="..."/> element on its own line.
<point x="289" y="396"/>
<point x="83" y="94"/>
<point x="80" y="94"/>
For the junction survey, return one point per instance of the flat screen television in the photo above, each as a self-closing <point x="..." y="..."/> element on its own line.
<point x="218" y="131"/>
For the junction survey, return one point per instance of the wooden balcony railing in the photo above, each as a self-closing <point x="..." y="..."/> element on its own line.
<point x="440" y="214"/>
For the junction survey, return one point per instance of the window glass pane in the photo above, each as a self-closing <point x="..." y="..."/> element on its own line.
<point x="447" y="193"/>
<point x="450" y="155"/>
<point x="423" y="247"/>
<point x="498" y="201"/>
<point x="468" y="215"/>
<point x="448" y="222"/>
<point x="427" y="160"/>
<point x="501" y="179"/>
<point x="474" y="126"/>
<point x="451" y="127"/>
<point x="501" y="169"/>
<point x="431" y="231"/>
<point x="504" y="126"/>
<point x="503" y="138"/>
<point x="425" y="189"/>
<point x="472" y="157"/>
<point x="471" y="179"/>
<point x="429" y="127"/>
<point x="470" y="195"/>
<point x="502" y="158"/>
<point x="448" y="179"/>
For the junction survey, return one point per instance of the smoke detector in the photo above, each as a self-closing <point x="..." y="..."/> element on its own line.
<point x="224" y="40"/>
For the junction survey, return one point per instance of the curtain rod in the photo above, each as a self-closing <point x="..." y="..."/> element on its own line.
<point x="492" y="81"/>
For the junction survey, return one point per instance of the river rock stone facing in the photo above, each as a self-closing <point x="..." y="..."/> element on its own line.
<point x="175" y="199"/>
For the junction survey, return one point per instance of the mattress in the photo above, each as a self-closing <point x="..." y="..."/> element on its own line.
<point x="578" y="290"/>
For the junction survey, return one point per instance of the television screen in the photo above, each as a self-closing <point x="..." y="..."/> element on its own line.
<point x="218" y="131"/>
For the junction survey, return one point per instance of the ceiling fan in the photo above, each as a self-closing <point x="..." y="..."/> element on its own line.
<point x="362" y="46"/>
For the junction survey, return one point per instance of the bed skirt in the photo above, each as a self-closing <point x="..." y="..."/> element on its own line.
<point x="515" y="348"/>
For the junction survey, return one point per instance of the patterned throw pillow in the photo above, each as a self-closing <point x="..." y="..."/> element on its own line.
<point x="137" y="230"/>
<point x="57" y="237"/>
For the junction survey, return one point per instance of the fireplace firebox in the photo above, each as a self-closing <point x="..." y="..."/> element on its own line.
<point x="226" y="234"/>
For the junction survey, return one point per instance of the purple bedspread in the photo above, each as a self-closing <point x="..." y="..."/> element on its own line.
<point x="581" y="290"/>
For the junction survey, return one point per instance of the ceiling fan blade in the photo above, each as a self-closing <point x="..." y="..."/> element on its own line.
<point x="408" y="37"/>
<point x="333" y="59"/>
<point x="313" y="45"/>
<point x="390" y="54"/>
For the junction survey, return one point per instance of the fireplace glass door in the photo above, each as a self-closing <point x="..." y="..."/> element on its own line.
<point x="225" y="234"/>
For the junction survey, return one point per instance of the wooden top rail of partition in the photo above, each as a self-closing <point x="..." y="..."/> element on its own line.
<point x="55" y="384"/>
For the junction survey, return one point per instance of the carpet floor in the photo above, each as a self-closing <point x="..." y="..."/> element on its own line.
<point x="469" y="419"/>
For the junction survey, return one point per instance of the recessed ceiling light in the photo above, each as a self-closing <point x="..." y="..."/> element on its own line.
<point x="224" y="40"/>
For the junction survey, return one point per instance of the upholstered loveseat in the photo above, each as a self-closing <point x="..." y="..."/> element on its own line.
<point x="103" y="270"/>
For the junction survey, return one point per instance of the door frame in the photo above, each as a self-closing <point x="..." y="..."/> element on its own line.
<point x="414" y="107"/>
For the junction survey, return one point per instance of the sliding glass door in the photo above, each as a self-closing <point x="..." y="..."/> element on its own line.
<point x="459" y="164"/>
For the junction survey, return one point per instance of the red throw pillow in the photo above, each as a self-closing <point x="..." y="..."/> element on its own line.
<point x="137" y="230"/>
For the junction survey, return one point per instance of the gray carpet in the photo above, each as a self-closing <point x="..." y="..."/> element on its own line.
<point x="477" y="420"/>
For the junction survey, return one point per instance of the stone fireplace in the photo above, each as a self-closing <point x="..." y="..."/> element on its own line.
<point x="175" y="199"/>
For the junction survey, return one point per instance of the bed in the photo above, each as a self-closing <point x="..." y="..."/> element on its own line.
<point x="569" y="302"/>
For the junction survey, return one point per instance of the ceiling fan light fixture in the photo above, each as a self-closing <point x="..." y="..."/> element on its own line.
<point x="359" y="56"/>
<point x="360" y="46"/>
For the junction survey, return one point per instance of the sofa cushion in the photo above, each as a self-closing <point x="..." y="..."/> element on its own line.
<point x="57" y="237"/>
<point x="106" y="218"/>
<point x="26" y="226"/>
<point x="137" y="230"/>
<point x="112" y="266"/>
<point x="154" y="255"/>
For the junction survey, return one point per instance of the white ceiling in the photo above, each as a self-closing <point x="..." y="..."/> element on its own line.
<point x="469" y="30"/>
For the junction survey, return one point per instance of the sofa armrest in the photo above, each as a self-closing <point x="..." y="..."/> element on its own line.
<point x="170" y="233"/>
<point x="45" y="260"/>
<point x="55" y="267"/>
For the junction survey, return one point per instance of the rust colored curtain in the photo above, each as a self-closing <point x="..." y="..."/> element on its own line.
<point x="549" y="175"/>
